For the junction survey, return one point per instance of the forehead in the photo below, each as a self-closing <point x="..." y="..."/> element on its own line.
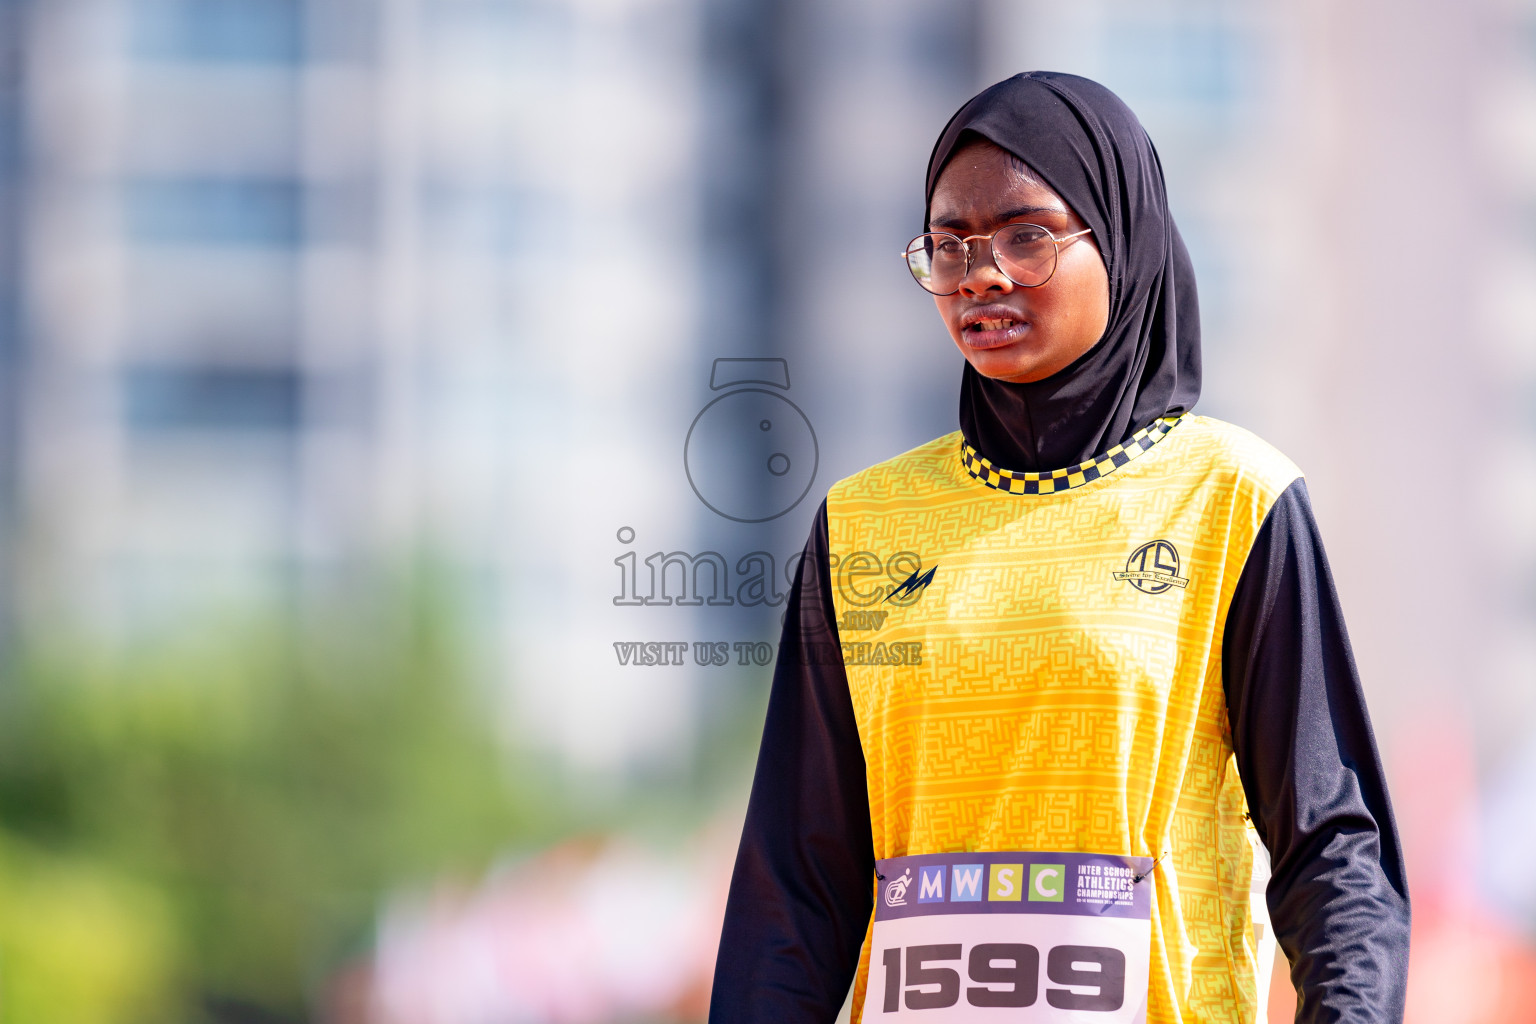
<point x="982" y="184"/>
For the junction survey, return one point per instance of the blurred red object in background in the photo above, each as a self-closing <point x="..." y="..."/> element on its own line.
<point x="597" y="931"/>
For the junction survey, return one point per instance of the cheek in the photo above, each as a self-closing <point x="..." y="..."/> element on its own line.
<point x="1085" y="295"/>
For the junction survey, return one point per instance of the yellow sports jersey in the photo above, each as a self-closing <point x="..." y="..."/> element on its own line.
<point x="1057" y="682"/>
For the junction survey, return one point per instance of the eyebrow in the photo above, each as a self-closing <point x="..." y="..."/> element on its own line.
<point x="1007" y="215"/>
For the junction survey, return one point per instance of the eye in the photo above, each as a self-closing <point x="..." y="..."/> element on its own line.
<point x="1023" y="236"/>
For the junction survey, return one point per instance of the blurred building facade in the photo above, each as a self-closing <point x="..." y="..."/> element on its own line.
<point x="11" y="136"/>
<point x="290" y="270"/>
<point x="198" y="378"/>
<point x="309" y="284"/>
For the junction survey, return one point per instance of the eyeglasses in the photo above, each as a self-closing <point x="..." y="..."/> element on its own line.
<point x="1025" y="253"/>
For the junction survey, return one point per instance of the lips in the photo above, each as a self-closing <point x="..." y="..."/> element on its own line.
<point x="992" y="326"/>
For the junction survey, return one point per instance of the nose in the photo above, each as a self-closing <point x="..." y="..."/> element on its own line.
<point x="984" y="276"/>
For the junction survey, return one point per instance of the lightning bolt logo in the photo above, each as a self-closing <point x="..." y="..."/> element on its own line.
<point x="914" y="584"/>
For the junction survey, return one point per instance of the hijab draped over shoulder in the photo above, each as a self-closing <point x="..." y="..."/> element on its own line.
<point x="1083" y="142"/>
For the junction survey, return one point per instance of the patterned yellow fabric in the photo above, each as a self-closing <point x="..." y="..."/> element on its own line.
<point x="1069" y="695"/>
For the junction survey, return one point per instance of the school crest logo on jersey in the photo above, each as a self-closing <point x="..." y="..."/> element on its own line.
<point x="1153" y="568"/>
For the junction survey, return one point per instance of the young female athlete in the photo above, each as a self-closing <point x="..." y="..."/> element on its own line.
<point x="1116" y="688"/>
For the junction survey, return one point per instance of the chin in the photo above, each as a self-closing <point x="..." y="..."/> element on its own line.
<point x="1005" y="366"/>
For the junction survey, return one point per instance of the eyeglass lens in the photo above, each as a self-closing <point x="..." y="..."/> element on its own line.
<point x="1026" y="253"/>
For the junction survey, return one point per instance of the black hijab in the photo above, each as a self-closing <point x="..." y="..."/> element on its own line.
<point x="1088" y="147"/>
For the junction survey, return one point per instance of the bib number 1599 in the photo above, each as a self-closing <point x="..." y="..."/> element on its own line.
<point x="1006" y="974"/>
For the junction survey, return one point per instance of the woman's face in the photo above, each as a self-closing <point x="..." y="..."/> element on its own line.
<point x="1004" y="330"/>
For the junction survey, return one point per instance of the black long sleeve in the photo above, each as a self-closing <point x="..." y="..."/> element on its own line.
<point x="803" y="887"/>
<point x="1338" y="895"/>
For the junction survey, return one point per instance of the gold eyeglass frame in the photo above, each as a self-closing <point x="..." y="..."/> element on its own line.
<point x="970" y="255"/>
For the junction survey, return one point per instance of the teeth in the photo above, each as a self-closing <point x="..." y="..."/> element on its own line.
<point x="994" y="325"/>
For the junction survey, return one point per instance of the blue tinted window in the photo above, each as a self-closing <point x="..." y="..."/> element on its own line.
<point x="10" y="330"/>
<point x="10" y="87"/>
<point x="212" y="398"/>
<point x="1188" y="61"/>
<point x="216" y="212"/>
<point x="521" y="31"/>
<point x="474" y="218"/>
<point x="10" y="138"/>
<point x="260" y="31"/>
<point x="506" y="220"/>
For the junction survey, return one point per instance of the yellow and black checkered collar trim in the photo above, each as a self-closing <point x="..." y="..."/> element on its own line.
<point x="977" y="465"/>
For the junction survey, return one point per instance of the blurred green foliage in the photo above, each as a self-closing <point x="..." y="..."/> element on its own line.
<point x="214" y="819"/>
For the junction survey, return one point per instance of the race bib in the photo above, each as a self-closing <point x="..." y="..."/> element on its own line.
<point x="1034" y="937"/>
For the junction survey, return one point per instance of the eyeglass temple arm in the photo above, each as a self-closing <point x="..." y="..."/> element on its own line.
<point x="1064" y="238"/>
